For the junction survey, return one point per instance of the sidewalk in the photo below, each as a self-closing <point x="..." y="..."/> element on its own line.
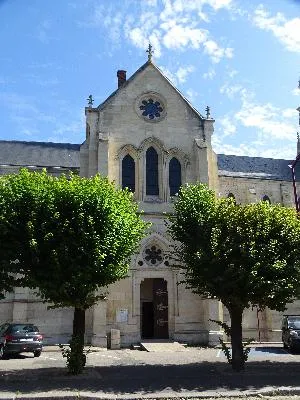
<point x="127" y="374"/>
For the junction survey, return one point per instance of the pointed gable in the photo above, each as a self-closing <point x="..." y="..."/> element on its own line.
<point x="136" y="75"/>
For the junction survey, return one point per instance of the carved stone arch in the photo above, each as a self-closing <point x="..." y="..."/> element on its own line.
<point x="127" y="149"/>
<point x="156" y="237"/>
<point x="180" y="155"/>
<point x="154" y="252"/>
<point x="152" y="142"/>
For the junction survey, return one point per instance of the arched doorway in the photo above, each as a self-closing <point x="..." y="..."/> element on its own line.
<point x="154" y="309"/>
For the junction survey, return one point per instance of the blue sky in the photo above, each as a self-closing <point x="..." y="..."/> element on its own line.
<point x="240" y="57"/>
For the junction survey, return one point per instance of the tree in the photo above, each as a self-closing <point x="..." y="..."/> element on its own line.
<point x="70" y="235"/>
<point x="241" y="255"/>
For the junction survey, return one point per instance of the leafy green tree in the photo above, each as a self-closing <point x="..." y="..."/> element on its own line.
<point x="70" y="235"/>
<point x="242" y="255"/>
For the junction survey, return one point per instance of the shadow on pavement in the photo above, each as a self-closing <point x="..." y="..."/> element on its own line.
<point x="143" y="379"/>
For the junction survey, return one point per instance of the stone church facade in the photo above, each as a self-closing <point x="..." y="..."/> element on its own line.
<point x="148" y="137"/>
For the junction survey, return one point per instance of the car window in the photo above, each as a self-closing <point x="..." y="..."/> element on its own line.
<point x="23" y="328"/>
<point x="294" y="323"/>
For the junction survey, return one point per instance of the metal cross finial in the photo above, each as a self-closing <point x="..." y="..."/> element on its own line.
<point x="207" y="112"/>
<point x="90" y="100"/>
<point x="150" y="52"/>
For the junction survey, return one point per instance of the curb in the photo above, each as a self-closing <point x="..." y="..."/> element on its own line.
<point x="283" y="393"/>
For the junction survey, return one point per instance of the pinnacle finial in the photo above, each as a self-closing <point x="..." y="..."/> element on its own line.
<point x="90" y="100"/>
<point x="150" y="52"/>
<point x="207" y="112"/>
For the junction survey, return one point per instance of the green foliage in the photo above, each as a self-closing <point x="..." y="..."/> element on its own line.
<point x="9" y="264"/>
<point x="246" y="348"/>
<point x="75" y="355"/>
<point x="71" y="235"/>
<point x="223" y="325"/>
<point x="226" y="349"/>
<point x="236" y="253"/>
<point x="243" y="255"/>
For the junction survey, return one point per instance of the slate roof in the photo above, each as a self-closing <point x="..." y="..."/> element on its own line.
<point x="255" y="167"/>
<point x="47" y="154"/>
<point x="39" y="154"/>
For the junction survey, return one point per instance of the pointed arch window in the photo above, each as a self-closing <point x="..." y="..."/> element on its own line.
<point x="266" y="198"/>
<point x="231" y="196"/>
<point x="152" y="188"/>
<point x="128" y="173"/>
<point x="174" y="176"/>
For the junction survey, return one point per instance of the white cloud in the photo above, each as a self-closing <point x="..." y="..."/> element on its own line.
<point x="289" y="113"/>
<point x="296" y="91"/>
<point x="235" y="91"/>
<point x="191" y="95"/>
<point x="228" y="127"/>
<point x="287" y="31"/>
<point x="216" y="52"/>
<point x="210" y="74"/>
<point x="151" y="3"/>
<point x="232" y="73"/>
<point x="183" y="72"/>
<point x="267" y="119"/>
<point x="271" y="128"/>
<point x="253" y="149"/>
<point x="178" y="76"/>
<point x="171" y="24"/>
<point x="185" y="36"/>
<point x="27" y="112"/>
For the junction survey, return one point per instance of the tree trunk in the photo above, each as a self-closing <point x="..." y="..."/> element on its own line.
<point x="236" y="314"/>
<point x="79" y="324"/>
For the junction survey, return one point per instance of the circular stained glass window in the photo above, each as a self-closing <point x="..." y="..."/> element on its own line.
<point x="151" y="109"/>
<point x="153" y="255"/>
<point x="151" y="106"/>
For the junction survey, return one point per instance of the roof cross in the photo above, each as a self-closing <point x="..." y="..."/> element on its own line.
<point x="207" y="112"/>
<point x="90" y="100"/>
<point x="150" y="52"/>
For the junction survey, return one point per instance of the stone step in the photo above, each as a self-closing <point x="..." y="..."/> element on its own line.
<point x="162" y="346"/>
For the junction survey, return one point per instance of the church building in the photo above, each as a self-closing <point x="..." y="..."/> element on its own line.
<point x="148" y="137"/>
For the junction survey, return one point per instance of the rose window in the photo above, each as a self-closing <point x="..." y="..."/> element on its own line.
<point x="151" y="109"/>
<point x="153" y="255"/>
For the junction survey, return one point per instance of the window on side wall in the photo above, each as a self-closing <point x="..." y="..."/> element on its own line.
<point x="128" y="173"/>
<point x="266" y="198"/>
<point x="174" y="176"/>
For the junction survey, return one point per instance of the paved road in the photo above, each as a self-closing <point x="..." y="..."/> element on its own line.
<point x="134" y="374"/>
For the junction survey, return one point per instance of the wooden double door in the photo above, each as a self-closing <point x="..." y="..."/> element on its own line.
<point x="155" y="310"/>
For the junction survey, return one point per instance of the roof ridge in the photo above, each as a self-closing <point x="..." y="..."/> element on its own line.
<point x="38" y="142"/>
